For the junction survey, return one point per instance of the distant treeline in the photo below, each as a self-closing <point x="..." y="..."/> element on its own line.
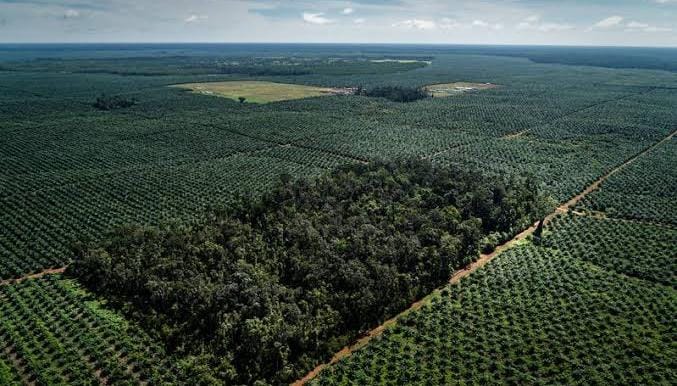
<point x="186" y="65"/>
<point x="265" y="290"/>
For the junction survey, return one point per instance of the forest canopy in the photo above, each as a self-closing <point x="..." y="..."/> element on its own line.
<point x="265" y="289"/>
<point x="395" y="93"/>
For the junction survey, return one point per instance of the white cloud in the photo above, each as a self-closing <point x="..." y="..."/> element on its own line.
<point x="635" y="26"/>
<point x="657" y="29"/>
<point x="484" y="24"/>
<point x="450" y="24"/>
<point x="71" y="14"/>
<point x="609" y="22"/>
<point x="359" y="21"/>
<point x="348" y="11"/>
<point x="315" y="18"/>
<point x="417" y="23"/>
<point x="665" y="1"/>
<point x="532" y="23"/>
<point x="194" y="18"/>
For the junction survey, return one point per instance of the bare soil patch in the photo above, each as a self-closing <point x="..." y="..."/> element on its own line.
<point x="450" y="89"/>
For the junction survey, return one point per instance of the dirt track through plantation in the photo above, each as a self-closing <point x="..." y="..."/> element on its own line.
<point x="477" y="264"/>
<point x="454" y="279"/>
<point x="50" y="271"/>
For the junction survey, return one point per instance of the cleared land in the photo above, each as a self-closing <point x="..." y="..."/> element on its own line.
<point x="400" y="61"/>
<point x="259" y="91"/>
<point x="450" y="89"/>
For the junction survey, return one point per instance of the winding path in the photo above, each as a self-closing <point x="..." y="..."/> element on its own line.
<point x="50" y="271"/>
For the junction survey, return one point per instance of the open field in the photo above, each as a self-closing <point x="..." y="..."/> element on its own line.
<point x="258" y="91"/>
<point x="592" y="301"/>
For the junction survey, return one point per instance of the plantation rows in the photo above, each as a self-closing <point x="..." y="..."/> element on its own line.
<point x="534" y="315"/>
<point x="387" y="142"/>
<point x="72" y="172"/>
<point x="624" y="116"/>
<point x="641" y="250"/>
<point x="9" y="375"/>
<point x="563" y="167"/>
<point x="117" y="146"/>
<point x="53" y="333"/>
<point x="644" y="190"/>
<point x="39" y="228"/>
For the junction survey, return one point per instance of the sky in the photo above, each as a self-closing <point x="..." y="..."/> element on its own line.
<point x="550" y="22"/>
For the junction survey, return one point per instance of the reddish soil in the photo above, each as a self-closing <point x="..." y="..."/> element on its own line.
<point x="50" y="271"/>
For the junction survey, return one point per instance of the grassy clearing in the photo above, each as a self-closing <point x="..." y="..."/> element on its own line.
<point x="258" y="91"/>
<point x="450" y="89"/>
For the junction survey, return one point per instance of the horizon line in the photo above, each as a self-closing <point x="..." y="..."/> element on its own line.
<point x="343" y="43"/>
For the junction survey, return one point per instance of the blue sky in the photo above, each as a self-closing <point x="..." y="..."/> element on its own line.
<point x="570" y="22"/>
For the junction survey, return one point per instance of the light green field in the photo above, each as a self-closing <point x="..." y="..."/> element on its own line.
<point x="258" y="91"/>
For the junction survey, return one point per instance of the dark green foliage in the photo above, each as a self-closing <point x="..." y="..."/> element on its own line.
<point x="644" y="190"/>
<point x="287" y="65"/>
<point x="8" y="375"/>
<point x="654" y="58"/>
<point x="274" y="285"/>
<point x="70" y="170"/>
<point x="645" y="251"/>
<point x="531" y="316"/>
<point x="52" y="332"/>
<point x="395" y="93"/>
<point x="114" y="102"/>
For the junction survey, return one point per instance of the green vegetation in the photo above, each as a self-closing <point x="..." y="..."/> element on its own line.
<point x="8" y="375"/>
<point x="75" y="171"/>
<point x="645" y="190"/>
<point x="105" y="102"/>
<point x="54" y="333"/>
<point x="271" y="286"/>
<point x="257" y="91"/>
<point x="395" y="93"/>
<point x="592" y="302"/>
<point x="279" y="64"/>
<point x="640" y="250"/>
<point x="532" y="316"/>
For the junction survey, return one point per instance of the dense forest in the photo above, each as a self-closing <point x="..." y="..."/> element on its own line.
<point x="394" y="93"/>
<point x="263" y="290"/>
<point x="106" y="102"/>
